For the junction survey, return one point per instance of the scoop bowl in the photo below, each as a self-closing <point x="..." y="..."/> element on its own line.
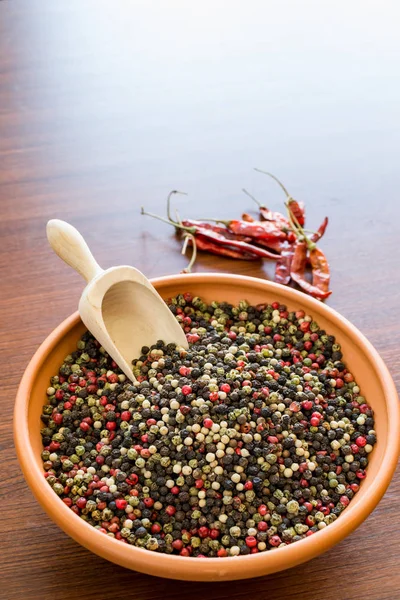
<point x="363" y="360"/>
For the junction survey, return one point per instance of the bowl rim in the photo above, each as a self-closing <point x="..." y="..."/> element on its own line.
<point x="210" y="569"/>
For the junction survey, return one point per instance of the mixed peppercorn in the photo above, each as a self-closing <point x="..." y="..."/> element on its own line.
<point x="253" y="438"/>
<point x="275" y="236"/>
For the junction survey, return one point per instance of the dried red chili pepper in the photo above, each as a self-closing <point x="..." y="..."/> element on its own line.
<point x="297" y="208"/>
<point x="248" y="218"/>
<point x="298" y="211"/>
<point x="284" y="264"/>
<point x="320" y="231"/>
<point x="298" y="269"/>
<point x="209" y="246"/>
<point x="244" y="246"/>
<point x="268" y="215"/>
<point x="255" y="229"/>
<point x="217" y="238"/>
<point x="320" y="270"/>
<point x="217" y="228"/>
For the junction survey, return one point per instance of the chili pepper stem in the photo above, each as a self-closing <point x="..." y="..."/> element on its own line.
<point x="223" y="221"/>
<point x="252" y="197"/>
<point x="277" y="181"/>
<point x="190" y="236"/>
<point x="169" y="201"/>
<point x="297" y="228"/>
<point x="168" y="221"/>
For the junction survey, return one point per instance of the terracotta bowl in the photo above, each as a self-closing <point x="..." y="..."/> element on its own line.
<point x="363" y="360"/>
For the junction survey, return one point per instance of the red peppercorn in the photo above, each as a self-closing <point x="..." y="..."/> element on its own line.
<point x="222" y="552"/>
<point x="155" y="528"/>
<point x="67" y="501"/>
<point x="59" y="395"/>
<point x="125" y="415"/>
<point x="175" y="490"/>
<point x="314" y="421"/>
<point x="307" y="404"/>
<point x="361" y="474"/>
<point x="262" y="510"/>
<point x="214" y="534"/>
<point x="251" y="541"/>
<point x="113" y="378"/>
<point x="121" y="503"/>
<point x="225" y="387"/>
<point x="203" y="532"/>
<point x="81" y="502"/>
<point x="133" y="479"/>
<point x="148" y="502"/>
<point x="275" y="540"/>
<point x="193" y="338"/>
<point x="186" y="390"/>
<point x="199" y="484"/>
<point x="361" y="441"/>
<point x="110" y="425"/>
<point x="262" y="526"/>
<point x="177" y="544"/>
<point x="57" y="418"/>
<point x="84" y="426"/>
<point x="248" y="485"/>
<point x="213" y="396"/>
<point x="208" y="423"/>
<point x="344" y="500"/>
<point x="304" y="326"/>
<point x="170" y="510"/>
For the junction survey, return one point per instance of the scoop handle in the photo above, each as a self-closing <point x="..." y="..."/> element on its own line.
<point x="69" y="244"/>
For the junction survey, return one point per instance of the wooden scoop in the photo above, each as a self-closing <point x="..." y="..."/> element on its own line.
<point x="119" y="306"/>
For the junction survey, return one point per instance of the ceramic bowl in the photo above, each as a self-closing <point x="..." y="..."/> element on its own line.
<point x="363" y="360"/>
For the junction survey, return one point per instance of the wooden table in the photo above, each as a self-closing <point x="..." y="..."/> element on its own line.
<point x="107" y="106"/>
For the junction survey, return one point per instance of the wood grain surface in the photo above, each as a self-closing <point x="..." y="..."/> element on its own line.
<point x="106" y="106"/>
